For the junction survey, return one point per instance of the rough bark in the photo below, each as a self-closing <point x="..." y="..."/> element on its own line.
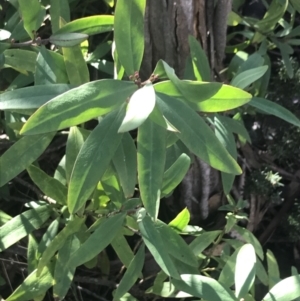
<point x="168" y="24"/>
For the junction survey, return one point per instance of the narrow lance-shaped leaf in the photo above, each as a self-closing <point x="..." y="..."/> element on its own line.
<point x="76" y="66"/>
<point x="270" y="107"/>
<point x="244" y="270"/>
<point x="129" y="33"/>
<point x="23" y="224"/>
<point x="286" y="290"/>
<point x="48" y="185"/>
<point x="98" y="241"/>
<point x="31" y="97"/>
<point x="151" y="145"/>
<point x="199" y="60"/>
<point x="132" y="273"/>
<point x="140" y="105"/>
<point x="68" y="39"/>
<point x="21" y="154"/>
<point x="72" y="226"/>
<point x="93" y="159"/>
<point x="59" y="9"/>
<point x="203" y="287"/>
<point x="197" y="135"/>
<point x="89" y="25"/>
<point x="33" y="286"/>
<point x="63" y="274"/>
<point x="32" y="14"/>
<point x="248" y="77"/>
<point x="154" y="243"/>
<point x="174" y="175"/>
<point x="79" y="105"/>
<point x="20" y="60"/>
<point x="125" y="163"/>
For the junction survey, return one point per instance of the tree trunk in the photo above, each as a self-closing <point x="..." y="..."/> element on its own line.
<point x="168" y="24"/>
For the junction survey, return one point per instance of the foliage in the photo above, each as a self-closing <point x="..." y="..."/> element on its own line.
<point x="109" y="182"/>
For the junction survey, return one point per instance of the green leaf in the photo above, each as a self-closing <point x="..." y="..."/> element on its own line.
<point x="140" y="105"/>
<point x="207" y="97"/>
<point x="74" y="144"/>
<point x="48" y="185"/>
<point x="175" y="245"/>
<point x="125" y="163"/>
<point x="89" y="25"/>
<point x="76" y="66"/>
<point x="196" y="134"/>
<point x="274" y="14"/>
<point x="286" y="290"/>
<point x="248" y="77"/>
<point x="122" y="249"/>
<point x="69" y="39"/>
<point x="244" y="270"/>
<point x="21" y="154"/>
<point x="199" y="60"/>
<point x="59" y="240"/>
<point x="22" y="224"/>
<point x="273" y="269"/>
<point x="203" y="287"/>
<point x="33" y="286"/>
<point x="129" y="33"/>
<point x="151" y="147"/>
<point x="63" y="274"/>
<point x="251" y="239"/>
<point x="98" y="241"/>
<point x="174" y="175"/>
<point x="44" y="71"/>
<point x="226" y="277"/>
<point x="132" y="273"/>
<point x="201" y="242"/>
<point x="296" y="5"/>
<point x="32" y="258"/>
<point x="48" y="236"/>
<point x="30" y="97"/>
<point x="32" y="14"/>
<point x="59" y="9"/>
<point x="79" y="105"/>
<point x="93" y="159"/>
<point x="155" y="244"/>
<point x="181" y="220"/>
<point x="20" y="60"/>
<point x="270" y="107"/>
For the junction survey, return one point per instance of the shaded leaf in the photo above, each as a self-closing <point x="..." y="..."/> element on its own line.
<point x="132" y="273"/>
<point x="59" y="9"/>
<point x="21" y="154"/>
<point x="174" y="175"/>
<point x="196" y="134"/>
<point x="31" y="97"/>
<point x="93" y="159"/>
<point x="76" y="66"/>
<point x="151" y="147"/>
<point x="98" y="241"/>
<point x="48" y="185"/>
<point x="22" y="224"/>
<point x="68" y="39"/>
<point x="270" y="107"/>
<point x="125" y="163"/>
<point x="155" y="244"/>
<point x="20" y="60"/>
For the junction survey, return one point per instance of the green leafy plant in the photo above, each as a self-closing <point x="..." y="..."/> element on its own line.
<point x="109" y="183"/>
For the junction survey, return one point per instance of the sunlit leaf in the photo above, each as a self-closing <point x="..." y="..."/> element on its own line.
<point x="140" y="106"/>
<point x="129" y="33"/>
